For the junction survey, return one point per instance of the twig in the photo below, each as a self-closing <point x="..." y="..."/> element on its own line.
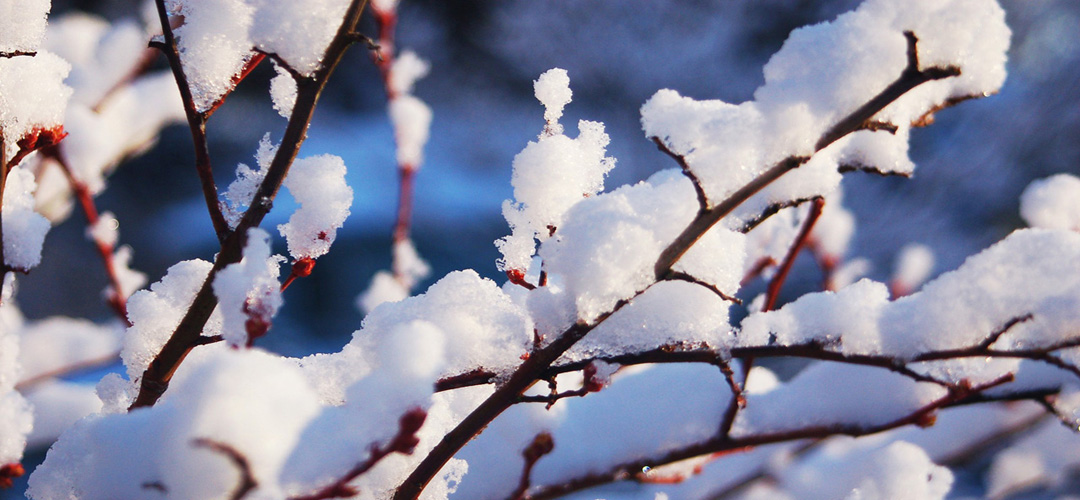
<point x="541" y="445"/>
<point x="404" y="442"/>
<point x="247" y="480"/>
<point x="196" y="123"/>
<point x="789" y="260"/>
<point x="680" y="276"/>
<point x="155" y="380"/>
<point x="117" y="300"/>
<point x="910" y="78"/>
<point x="528" y="372"/>
<point x="703" y="200"/>
<point x="922" y="416"/>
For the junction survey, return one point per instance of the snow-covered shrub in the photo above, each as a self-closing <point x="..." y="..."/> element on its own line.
<point x="625" y="344"/>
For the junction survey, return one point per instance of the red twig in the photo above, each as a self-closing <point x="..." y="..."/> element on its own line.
<point x="155" y="380"/>
<point x="404" y="442"/>
<point x="541" y="445"/>
<point x="785" y="267"/>
<point x="117" y="301"/>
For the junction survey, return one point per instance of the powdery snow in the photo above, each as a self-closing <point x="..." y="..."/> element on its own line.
<point x="317" y="183"/>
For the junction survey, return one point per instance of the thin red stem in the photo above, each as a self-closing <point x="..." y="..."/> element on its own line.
<point x="773" y="291"/>
<point x="117" y="300"/>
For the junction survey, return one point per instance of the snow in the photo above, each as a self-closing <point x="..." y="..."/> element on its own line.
<point x="254" y="402"/>
<point x="1052" y="203"/>
<point x="104" y="231"/>
<point x="1043" y="457"/>
<point x="318" y="185"/>
<point x="57" y="406"/>
<point x="248" y="291"/>
<point x="412" y="124"/>
<point x="384" y="5"/>
<point x="101" y="54"/>
<point x="16" y="419"/>
<point x="406" y="69"/>
<point x="214" y="46"/>
<point x="551" y="175"/>
<point x="483" y="327"/>
<point x="410" y="360"/>
<point x="24" y="229"/>
<point x="383" y="288"/>
<point x="32" y="96"/>
<point x="122" y="125"/>
<point x="1016" y="277"/>
<point x="862" y="470"/>
<point x="553" y="91"/>
<point x="302" y="423"/>
<point x="605" y="250"/>
<point x="408" y="265"/>
<point x="218" y="38"/>
<point x="155" y="313"/>
<point x="854" y="58"/>
<point x="241" y="192"/>
<point x="914" y="263"/>
<point x="668" y="313"/>
<point x="283" y="91"/>
<point x="827" y="394"/>
<point x="22" y="25"/>
<point x="59" y="342"/>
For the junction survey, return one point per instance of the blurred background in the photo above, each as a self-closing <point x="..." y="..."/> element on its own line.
<point x="972" y="164"/>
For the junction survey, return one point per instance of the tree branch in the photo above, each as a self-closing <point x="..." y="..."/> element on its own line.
<point x="155" y="379"/>
<point x="538" y="362"/>
<point x="773" y="291"/>
<point x="196" y="123"/>
<point x="922" y="416"/>
<point x="404" y="441"/>
<point x="910" y="78"/>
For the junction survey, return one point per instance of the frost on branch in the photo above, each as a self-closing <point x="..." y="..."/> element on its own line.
<point x="248" y="292"/>
<point x="318" y="184"/>
<point x="240" y="194"/>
